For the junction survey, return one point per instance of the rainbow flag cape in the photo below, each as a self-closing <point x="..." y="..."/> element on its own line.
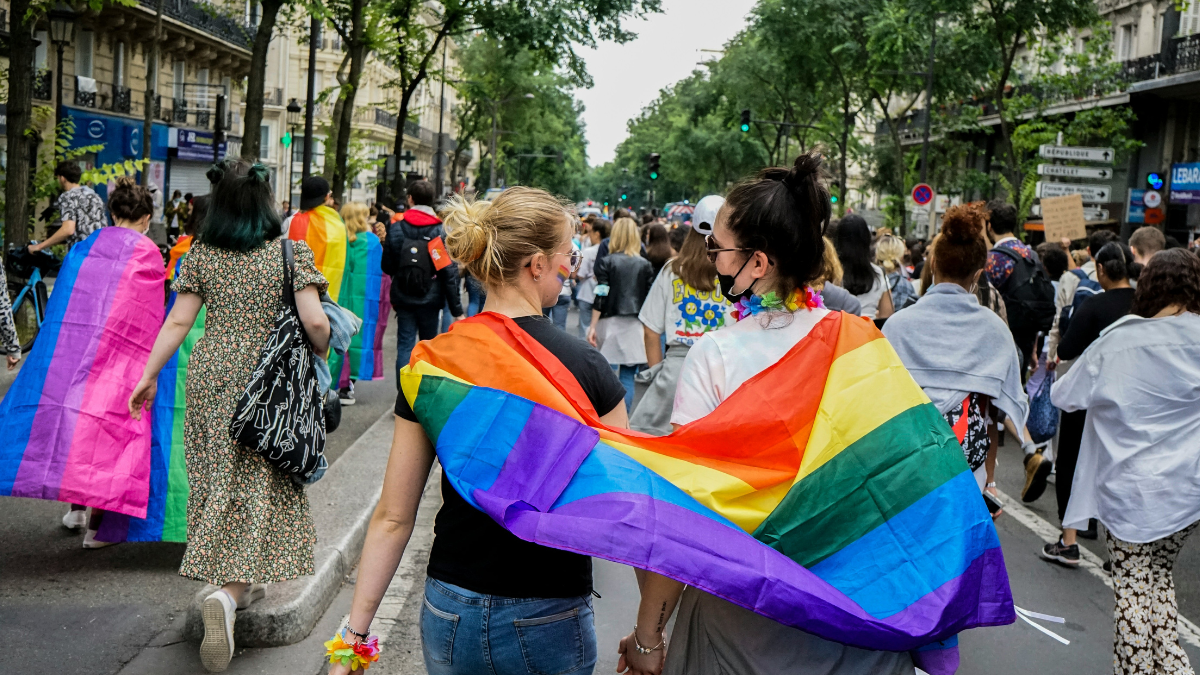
<point x="65" y="429"/>
<point x="826" y="493"/>
<point x="166" y="515"/>
<point x="325" y="233"/>
<point x="364" y="292"/>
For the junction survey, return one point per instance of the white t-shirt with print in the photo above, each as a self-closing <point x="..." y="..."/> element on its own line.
<point x="585" y="289"/>
<point x="723" y="360"/>
<point x="680" y="312"/>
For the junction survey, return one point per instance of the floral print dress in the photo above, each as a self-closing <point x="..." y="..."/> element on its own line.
<point x="246" y="520"/>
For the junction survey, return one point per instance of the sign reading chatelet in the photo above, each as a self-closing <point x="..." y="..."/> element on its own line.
<point x="1065" y="171"/>
<point x="1063" y="217"/>
<point x="1104" y="155"/>
<point x="1089" y="193"/>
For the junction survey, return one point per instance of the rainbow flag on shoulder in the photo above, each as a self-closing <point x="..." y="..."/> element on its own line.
<point x="65" y="429"/>
<point x="364" y="292"/>
<point x="826" y="493"/>
<point x="322" y="228"/>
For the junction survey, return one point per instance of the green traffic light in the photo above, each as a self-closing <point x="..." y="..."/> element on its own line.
<point x="745" y="128"/>
<point x="653" y="175"/>
<point x="606" y="203"/>
<point x="623" y="197"/>
<point x="833" y="199"/>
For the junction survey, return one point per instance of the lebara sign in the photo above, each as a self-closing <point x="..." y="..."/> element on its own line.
<point x="197" y="146"/>
<point x="1185" y="184"/>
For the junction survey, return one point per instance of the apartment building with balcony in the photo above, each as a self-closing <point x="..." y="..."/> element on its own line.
<point x="374" y="121"/>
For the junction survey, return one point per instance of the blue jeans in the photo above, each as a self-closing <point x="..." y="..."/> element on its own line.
<point x="446" y="318"/>
<point x="413" y="323"/>
<point x="464" y="632"/>
<point x="558" y="313"/>
<point x="585" y="318"/>
<point x="476" y="296"/>
<point x="626" y="374"/>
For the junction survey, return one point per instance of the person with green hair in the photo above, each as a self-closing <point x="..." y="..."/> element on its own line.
<point x="248" y="524"/>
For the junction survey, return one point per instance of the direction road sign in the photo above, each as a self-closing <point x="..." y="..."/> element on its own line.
<point x="1089" y="212"/>
<point x="1073" y="171"/>
<point x="922" y="194"/>
<point x="1074" y="152"/>
<point x="1091" y="193"/>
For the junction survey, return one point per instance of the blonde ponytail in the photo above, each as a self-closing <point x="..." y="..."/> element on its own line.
<point x="493" y="239"/>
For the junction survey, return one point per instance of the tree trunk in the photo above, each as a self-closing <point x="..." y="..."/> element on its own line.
<point x="358" y="53"/>
<point x="20" y="104"/>
<point x="1006" y="133"/>
<point x="335" y="125"/>
<point x="151" y="90"/>
<point x="844" y="149"/>
<point x="399" y="181"/>
<point x="256" y="80"/>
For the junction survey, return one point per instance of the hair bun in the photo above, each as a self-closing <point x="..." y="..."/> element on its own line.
<point x="963" y="223"/>
<point x="806" y="166"/>
<point x="468" y="230"/>
<point x="126" y="182"/>
<point x="215" y="173"/>
<point x="259" y="173"/>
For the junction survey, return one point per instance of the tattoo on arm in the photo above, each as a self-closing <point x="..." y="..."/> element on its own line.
<point x="662" y="618"/>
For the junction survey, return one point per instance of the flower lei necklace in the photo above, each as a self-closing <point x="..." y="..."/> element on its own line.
<point x="805" y="297"/>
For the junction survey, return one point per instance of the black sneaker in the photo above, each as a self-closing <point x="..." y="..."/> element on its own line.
<point x="1062" y="554"/>
<point x="1037" y="470"/>
<point x="1090" y="532"/>
<point x="346" y="396"/>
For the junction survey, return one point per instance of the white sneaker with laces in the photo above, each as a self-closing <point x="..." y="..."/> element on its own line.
<point x="218" y="612"/>
<point x="76" y="519"/>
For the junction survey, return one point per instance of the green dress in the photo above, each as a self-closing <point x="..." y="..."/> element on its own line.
<point x="246" y="520"/>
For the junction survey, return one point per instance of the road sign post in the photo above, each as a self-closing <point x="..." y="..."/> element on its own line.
<point x="1064" y="171"/>
<point x="1090" y="193"/>
<point x="922" y="194"/>
<point x="1104" y="155"/>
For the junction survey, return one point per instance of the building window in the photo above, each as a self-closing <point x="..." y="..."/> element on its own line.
<point x="264" y="142"/>
<point x="84" y="53"/>
<point x="119" y="64"/>
<point x="202" y="99"/>
<point x="179" y="75"/>
<point x="39" y="53"/>
<point x="1127" y="41"/>
<point x="1189" y="21"/>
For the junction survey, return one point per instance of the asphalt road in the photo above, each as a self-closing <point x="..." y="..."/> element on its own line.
<point x="96" y="609"/>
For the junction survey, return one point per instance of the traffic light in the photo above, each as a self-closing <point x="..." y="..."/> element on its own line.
<point x="834" y="188"/>
<point x="606" y="203"/>
<point x="653" y="165"/>
<point x="624" y="196"/>
<point x="745" y="120"/>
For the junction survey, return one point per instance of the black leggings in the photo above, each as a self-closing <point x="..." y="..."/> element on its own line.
<point x="1066" y="455"/>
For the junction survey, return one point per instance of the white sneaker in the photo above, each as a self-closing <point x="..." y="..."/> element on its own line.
<point x="89" y="541"/>
<point x="218" y="612"/>
<point x="76" y="519"/>
<point x="254" y="592"/>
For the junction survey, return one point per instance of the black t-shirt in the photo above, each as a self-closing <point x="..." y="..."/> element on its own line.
<point x="1094" y="315"/>
<point x="470" y="549"/>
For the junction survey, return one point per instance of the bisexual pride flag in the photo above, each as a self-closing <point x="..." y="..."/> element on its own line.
<point x="166" y="514"/>
<point x="65" y="429"/>
<point x="364" y="292"/>
<point x="826" y="493"/>
<point x="325" y="233"/>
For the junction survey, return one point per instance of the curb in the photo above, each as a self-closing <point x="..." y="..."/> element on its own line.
<point x="341" y="506"/>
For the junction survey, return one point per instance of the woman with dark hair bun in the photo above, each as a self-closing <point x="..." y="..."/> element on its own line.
<point x="1139" y="383"/>
<point x="248" y="523"/>
<point x="767" y="247"/>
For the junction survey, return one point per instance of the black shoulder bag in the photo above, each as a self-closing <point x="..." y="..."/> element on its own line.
<point x="281" y="413"/>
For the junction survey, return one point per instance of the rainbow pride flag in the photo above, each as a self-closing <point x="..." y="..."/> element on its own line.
<point x="826" y="493"/>
<point x="65" y="429"/>
<point x="364" y="292"/>
<point x="166" y="515"/>
<point x="325" y="233"/>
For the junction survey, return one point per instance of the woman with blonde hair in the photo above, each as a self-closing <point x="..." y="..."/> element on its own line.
<point x="493" y="602"/>
<point x="623" y="279"/>
<point x="364" y="291"/>
<point x="889" y="253"/>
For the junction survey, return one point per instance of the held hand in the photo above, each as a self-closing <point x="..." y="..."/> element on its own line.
<point x="142" y="397"/>
<point x="1051" y="365"/>
<point x="638" y="663"/>
<point x="591" y="337"/>
<point x="339" y="669"/>
<point x="13" y="361"/>
<point x="995" y="494"/>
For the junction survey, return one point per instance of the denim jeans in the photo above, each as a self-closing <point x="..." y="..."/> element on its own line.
<point x="476" y="296"/>
<point x="626" y="374"/>
<point x="585" y="318"/>
<point x="558" y="313"/>
<point x="464" y="632"/>
<point x="447" y="318"/>
<point x="413" y="323"/>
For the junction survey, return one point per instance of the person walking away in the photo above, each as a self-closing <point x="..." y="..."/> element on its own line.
<point x="889" y="254"/>
<point x="835" y="297"/>
<point x="1137" y="474"/>
<point x="585" y="288"/>
<point x="1094" y="315"/>
<point x="80" y="209"/>
<point x="861" y="277"/>
<point x="1014" y="269"/>
<point x="623" y="279"/>
<point x="364" y="292"/>
<point x="683" y="305"/>
<point x="248" y="523"/>
<point x="959" y="351"/>
<point x="493" y="602"/>
<point x="658" y="247"/>
<point x="421" y="284"/>
<point x="1144" y="242"/>
<point x="176" y="214"/>
<point x="64" y="434"/>
<point x="768" y="247"/>
<point x="320" y="226"/>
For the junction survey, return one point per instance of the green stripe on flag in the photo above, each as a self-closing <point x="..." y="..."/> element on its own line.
<point x="877" y="477"/>
<point x="175" y="512"/>
<point x="437" y="398"/>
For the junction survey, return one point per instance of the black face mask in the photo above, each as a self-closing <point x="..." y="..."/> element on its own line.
<point x="727" y="281"/>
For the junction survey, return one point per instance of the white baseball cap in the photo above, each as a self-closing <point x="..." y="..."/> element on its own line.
<point x="705" y="213"/>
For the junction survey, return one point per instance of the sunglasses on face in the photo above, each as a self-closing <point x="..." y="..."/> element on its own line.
<point x="714" y="249"/>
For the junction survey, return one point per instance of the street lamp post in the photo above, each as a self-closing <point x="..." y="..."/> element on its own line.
<point x="437" y="163"/>
<point x="293" y="121"/>
<point x="62" y="30"/>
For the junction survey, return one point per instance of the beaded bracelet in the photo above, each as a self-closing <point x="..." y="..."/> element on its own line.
<point x="662" y="643"/>
<point x="354" y="656"/>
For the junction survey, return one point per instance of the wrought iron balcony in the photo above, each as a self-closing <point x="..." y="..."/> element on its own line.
<point x="179" y="111"/>
<point x="43" y="81"/>
<point x="84" y="99"/>
<point x="203" y="17"/>
<point x="122" y="99"/>
<point x="1183" y="56"/>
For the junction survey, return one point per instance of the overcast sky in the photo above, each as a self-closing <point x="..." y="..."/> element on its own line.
<point x="628" y="77"/>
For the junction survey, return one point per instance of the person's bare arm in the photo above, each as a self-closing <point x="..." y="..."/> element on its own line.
<point x="660" y="595"/>
<point x="64" y="232"/>
<point x="653" y="346"/>
<point x="885" y="308"/>
<point x="312" y="315"/>
<point x="170" y="336"/>
<point x="391" y="524"/>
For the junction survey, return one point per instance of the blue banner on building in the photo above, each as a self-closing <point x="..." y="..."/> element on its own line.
<point x="1185" y="183"/>
<point x="196" y="146"/>
<point x="1136" y="207"/>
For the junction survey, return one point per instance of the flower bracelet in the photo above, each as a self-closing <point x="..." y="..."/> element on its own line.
<point x="359" y="654"/>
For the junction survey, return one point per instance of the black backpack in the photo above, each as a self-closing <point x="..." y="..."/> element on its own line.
<point x="415" y="273"/>
<point x="1028" y="296"/>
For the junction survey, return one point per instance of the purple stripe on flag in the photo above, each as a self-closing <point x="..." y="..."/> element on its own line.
<point x="638" y="530"/>
<point x="53" y="429"/>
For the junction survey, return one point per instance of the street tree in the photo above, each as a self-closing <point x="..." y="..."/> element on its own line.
<point x="268" y="16"/>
